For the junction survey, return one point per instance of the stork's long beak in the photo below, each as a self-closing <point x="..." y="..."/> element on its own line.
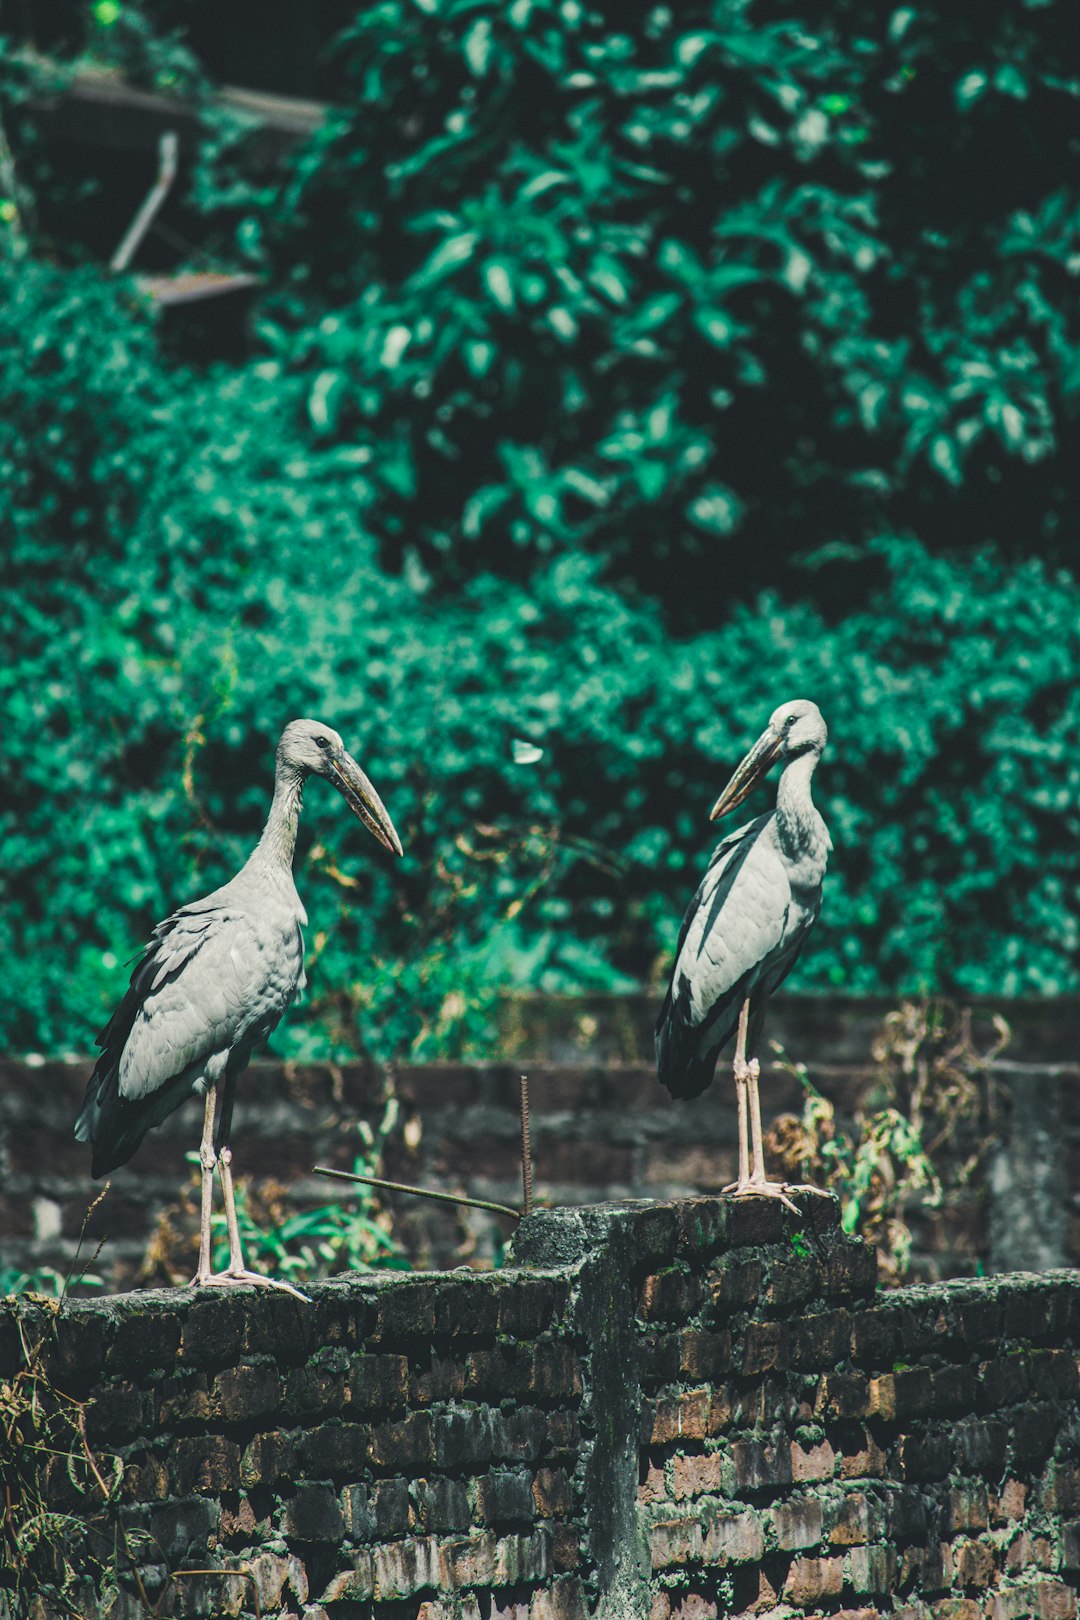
<point x="761" y="758"/>
<point x="362" y="800"/>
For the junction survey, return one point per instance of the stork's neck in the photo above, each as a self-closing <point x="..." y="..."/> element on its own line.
<point x="278" y="841"/>
<point x="801" y="829"/>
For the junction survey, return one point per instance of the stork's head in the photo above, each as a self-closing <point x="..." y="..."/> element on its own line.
<point x="794" y="728"/>
<point x="312" y="749"/>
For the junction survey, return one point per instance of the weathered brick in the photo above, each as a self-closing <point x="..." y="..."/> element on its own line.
<point x="403" y="1310"/>
<point x="956" y="1609"/>
<point x="797" y="1524"/>
<point x="670" y="1295"/>
<point x="405" y="1445"/>
<point x="1008" y="1505"/>
<point x="733" y="1538"/>
<point x="860" y="1455"/>
<point x="1002" y="1382"/>
<point x="377" y="1383"/>
<point x="552" y="1493"/>
<point x="675" y="1541"/>
<point x="563" y="1600"/>
<point x="443" y="1505"/>
<point x="238" y="1394"/>
<point x="696" y="1474"/>
<point x="211" y="1333"/>
<point x="316" y="1389"/>
<point x="142" y="1342"/>
<point x="658" y="1358"/>
<point x="758" y="1348"/>
<point x="466" y="1309"/>
<point x="182" y="1527"/>
<point x="790" y="1280"/>
<point x="523" y="1434"/>
<point x="810" y="1463"/>
<point x="183" y="1401"/>
<point x="850" y="1269"/>
<point x="278" y="1326"/>
<point x="527" y="1307"/>
<point x="925" y="1456"/>
<point x="313" y="1513"/>
<point x="967" y="1507"/>
<point x="952" y="1389"/>
<point x="978" y="1444"/>
<point x="810" y="1580"/>
<point x="334" y="1450"/>
<point x="115" y="1413"/>
<point x="974" y="1564"/>
<point x="819" y="1340"/>
<point x="391" y="1507"/>
<point x="554" y="1373"/>
<point x="520" y="1558"/>
<point x="565" y="1548"/>
<point x="268" y="1457"/>
<point x="1054" y="1601"/>
<point x="1034" y="1431"/>
<point x="761" y="1465"/>
<point x="73" y="1350"/>
<point x="354" y="1585"/>
<point x="873" y="1569"/>
<point x="734" y="1281"/>
<point x="402" y="1568"/>
<point x="505" y="1497"/>
<point x="704" y="1356"/>
<point x="681" y="1417"/>
<point x="442" y="1378"/>
<point x="844" y="1395"/>
<point x="205" y="1463"/>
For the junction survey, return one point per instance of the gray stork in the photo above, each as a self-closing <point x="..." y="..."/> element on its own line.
<point x="745" y="928"/>
<point x="211" y="987"/>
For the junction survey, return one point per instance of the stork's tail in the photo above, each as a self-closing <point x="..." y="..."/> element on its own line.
<point x="681" y="1065"/>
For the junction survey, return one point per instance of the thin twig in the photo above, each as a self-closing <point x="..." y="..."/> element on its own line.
<point x="418" y="1192"/>
<point x="526" y="1150"/>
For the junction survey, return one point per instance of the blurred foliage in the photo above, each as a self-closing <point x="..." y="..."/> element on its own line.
<point x="930" y="1121"/>
<point x="617" y="378"/>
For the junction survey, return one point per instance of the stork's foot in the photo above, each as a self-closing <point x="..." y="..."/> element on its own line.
<point x="234" y="1277"/>
<point x="808" y="1187"/>
<point x="763" y="1189"/>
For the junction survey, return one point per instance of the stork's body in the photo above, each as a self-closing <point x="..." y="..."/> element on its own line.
<point x="212" y="985"/>
<point x="745" y="928"/>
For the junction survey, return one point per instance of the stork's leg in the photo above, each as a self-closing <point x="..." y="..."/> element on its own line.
<point x="207" y="1161"/>
<point x="236" y="1271"/>
<point x="752" y="1182"/>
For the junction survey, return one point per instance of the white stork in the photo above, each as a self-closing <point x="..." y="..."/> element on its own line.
<point x="745" y="928"/>
<point x="213" y="984"/>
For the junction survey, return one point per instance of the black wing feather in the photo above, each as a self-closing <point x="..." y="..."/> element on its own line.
<point x="114" y="1124"/>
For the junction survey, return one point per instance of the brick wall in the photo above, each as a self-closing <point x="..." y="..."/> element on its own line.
<point x="602" y="1127"/>
<point x="656" y="1412"/>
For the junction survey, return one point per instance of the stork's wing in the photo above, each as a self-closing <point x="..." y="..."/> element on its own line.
<point x="739" y="937"/>
<point x="210" y="987"/>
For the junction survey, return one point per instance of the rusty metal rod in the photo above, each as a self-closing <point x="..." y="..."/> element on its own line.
<point x="418" y="1192"/>
<point x="526" y="1150"/>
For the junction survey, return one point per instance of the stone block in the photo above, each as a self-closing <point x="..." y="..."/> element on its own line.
<point x="506" y="1496"/>
<point x="206" y="1463"/>
<point x="466" y="1309"/>
<point x="334" y="1450"/>
<point x="873" y="1570"/>
<point x="552" y="1493"/>
<point x="734" y="1282"/>
<point x="268" y="1458"/>
<point x="144" y="1341"/>
<point x="812" y="1581"/>
<point x="115" y="1413"/>
<point x="759" y="1348"/>
<point x="404" y="1446"/>
<point x="704" y="1357"/>
<point x="1034" y="1431"/>
<point x="211" y="1333"/>
<point x="671" y="1295"/>
<point x="820" y="1340"/>
<point x="183" y="1527"/>
<point x="316" y="1389"/>
<point x="391" y="1507"/>
<point x="967" y="1507"/>
<point x="810" y="1463"/>
<point x="845" y="1395"/>
<point x="974" y="1564"/>
<point x="278" y="1326"/>
<point x="761" y="1465"/>
<point x="979" y="1444"/>
<point x="441" y="1378"/>
<point x="527" y="1307"/>
<point x="695" y="1475"/>
<point x="313" y="1513"/>
<point x="524" y="1558"/>
<point x="797" y="1524"/>
<point x="247" y="1391"/>
<point x="376" y="1383"/>
<point x="563" y="1600"/>
<point x="733" y="1538"/>
<point x="925" y="1455"/>
<point x="790" y="1281"/>
<point x="1002" y="1381"/>
<point x="554" y="1373"/>
<point x="850" y="1269"/>
<point x="674" y="1542"/>
<point x="403" y="1310"/>
<point x="682" y="1417"/>
<point x="443" y="1505"/>
<point x="462" y="1438"/>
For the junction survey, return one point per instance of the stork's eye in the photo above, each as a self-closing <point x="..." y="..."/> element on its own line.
<point x="322" y="742"/>
<point x="790" y="721"/>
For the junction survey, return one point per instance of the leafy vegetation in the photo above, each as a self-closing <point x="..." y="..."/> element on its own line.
<point x="616" y="377"/>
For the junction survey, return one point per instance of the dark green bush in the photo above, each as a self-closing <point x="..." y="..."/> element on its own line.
<point x="548" y="403"/>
